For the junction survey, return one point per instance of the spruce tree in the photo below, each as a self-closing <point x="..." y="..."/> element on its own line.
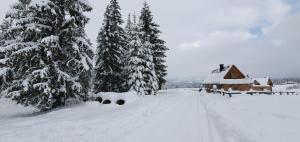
<point x="158" y="45"/>
<point x="149" y="75"/>
<point x="128" y="27"/>
<point x="135" y="66"/>
<point x="142" y="77"/>
<point x="12" y="31"/>
<point x="109" y="69"/>
<point x="79" y="53"/>
<point x="5" y="72"/>
<point x="126" y="54"/>
<point x="50" y="54"/>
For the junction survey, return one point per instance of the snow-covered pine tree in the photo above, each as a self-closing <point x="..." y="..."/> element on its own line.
<point x="79" y="62"/>
<point x="6" y="24"/>
<point x="51" y="56"/>
<point x="11" y="34"/>
<point x="150" y="78"/>
<point x="136" y="64"/>
<point x="109" y="68"/>
<point x="158" y="49"/>
<point x="126" y="54"/>
<point x="142" y="77"/>
<point x="5" y="72"/>
<point x="128" y="25"/>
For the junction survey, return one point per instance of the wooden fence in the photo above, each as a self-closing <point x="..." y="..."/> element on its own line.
<point x="230" y="93"/>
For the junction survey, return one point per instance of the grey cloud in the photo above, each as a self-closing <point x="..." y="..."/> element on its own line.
<point x="201" y="34"/>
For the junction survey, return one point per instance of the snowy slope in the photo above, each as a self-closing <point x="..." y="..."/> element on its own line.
<point x="182" y="115"/>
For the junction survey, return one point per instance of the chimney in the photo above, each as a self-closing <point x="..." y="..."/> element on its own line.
<point x="222" y="67"/>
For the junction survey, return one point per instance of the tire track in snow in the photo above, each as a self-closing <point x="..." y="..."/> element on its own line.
<point x="178" y="122"/>
<point x="225" y="131"/>
<point x="211" y="133"/>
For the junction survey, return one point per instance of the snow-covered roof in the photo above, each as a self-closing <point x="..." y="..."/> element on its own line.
<point x="217" y="77"/>
<point x="262" y="81"/>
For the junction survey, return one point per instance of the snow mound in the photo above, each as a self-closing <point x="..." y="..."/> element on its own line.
<point x="115" y="98"/>
<point x="9" y="109"/>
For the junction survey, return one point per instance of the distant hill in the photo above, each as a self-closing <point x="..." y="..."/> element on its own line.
<point x="184" y="83"/>
<point x="280" y="81"/>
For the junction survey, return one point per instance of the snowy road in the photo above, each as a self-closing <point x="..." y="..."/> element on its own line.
<point x="181" y="115"/>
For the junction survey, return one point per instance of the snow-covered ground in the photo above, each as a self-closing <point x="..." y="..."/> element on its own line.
<point x="180" y="115"/>
<point x="287" y="87"/>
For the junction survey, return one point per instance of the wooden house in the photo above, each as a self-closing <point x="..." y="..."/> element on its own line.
<point x="227" y="78"/>
<point x="262" y="84"/>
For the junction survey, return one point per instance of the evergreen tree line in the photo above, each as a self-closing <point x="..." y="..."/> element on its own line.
<point x="46" y="58"/>
<point x="130" y="58"/>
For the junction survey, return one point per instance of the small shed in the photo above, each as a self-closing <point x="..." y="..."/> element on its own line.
<point x="227" y="78"/>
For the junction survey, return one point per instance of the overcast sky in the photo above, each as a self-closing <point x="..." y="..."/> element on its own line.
<point x="262" y="37"/>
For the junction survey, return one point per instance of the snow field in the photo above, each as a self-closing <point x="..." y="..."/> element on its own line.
<point x="259" y="118"/>
<point x="177" y="115"/>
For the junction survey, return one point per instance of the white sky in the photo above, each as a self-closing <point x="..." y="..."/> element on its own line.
<point x="259" y="36"/>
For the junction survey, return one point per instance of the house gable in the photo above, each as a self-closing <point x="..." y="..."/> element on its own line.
<point x="270" y="83"/>
<point x="256" y="82"/>
<point x="229" y="75"/>
<point x="234" y="73"/>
